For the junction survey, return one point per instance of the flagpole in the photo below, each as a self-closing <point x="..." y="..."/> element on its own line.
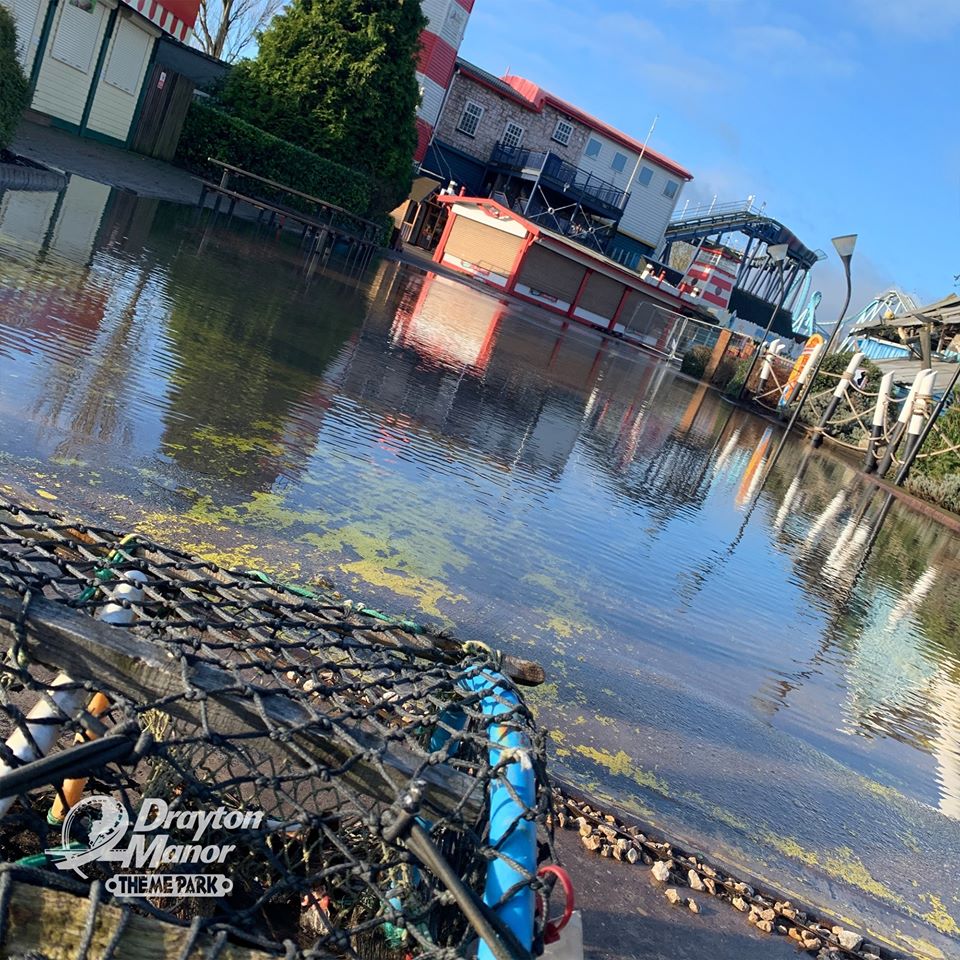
<point x="643" y="150"/>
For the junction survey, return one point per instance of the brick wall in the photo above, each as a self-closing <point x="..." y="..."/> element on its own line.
<point x="497" y="110"/>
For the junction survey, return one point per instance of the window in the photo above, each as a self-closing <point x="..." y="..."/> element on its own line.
<point x="78" y="35"/>
<point x="470" y="118"/>
<point x="593" y="148"/>
<point x="645" y="176"/>
<point x="670" y="190"/>
<point x="619" y="162"/>
<point x="131" y="47"/>
<point x="562" y="132"/>
<point x="512" y="135"/>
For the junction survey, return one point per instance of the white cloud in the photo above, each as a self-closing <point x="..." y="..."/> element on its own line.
<point x="786" y="50"/>
<point x="923" y="19"/>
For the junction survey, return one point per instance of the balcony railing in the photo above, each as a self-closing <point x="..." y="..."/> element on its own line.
<point x="559" y="174"/>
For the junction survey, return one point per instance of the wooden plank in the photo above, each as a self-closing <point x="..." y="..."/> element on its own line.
<point x="52" y="923"/>
<point x="174" y="114"/>
<point x="282" y="186"/>
<point x="115" y="659"/>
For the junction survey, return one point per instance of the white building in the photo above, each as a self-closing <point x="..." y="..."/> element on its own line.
<point x="88" y="61"/>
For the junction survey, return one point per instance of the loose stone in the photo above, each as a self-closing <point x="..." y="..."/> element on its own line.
<point x="693" y="905"/>
<point x="632" y="855"/>
<point x="710" y="885"/>
<point x="647" y="859"/>
<point x="562" y="820"/>
<point x="740" y="904"/>
<point x="849" y="940"/>
<point x="794" y="934"/>
<point x="744" y="888"/>
<point x="695" y="882"/>
<point x="765" y="925"/>
<point x="768" y="915"/>
<point x="591" y="842"/>
<point x="709" y="871"/>
<point x="672" y="895"/>
<point x="752" y="919"/>
<point x="661" y="871"/>
<point x="585" y="828"/>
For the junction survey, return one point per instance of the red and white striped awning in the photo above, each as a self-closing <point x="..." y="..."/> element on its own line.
<point x="176" y="17"/>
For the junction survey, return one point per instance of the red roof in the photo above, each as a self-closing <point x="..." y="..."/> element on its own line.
<point x="538" y="97"/>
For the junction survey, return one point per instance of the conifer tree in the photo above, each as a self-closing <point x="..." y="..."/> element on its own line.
<point x="338" y="77"/>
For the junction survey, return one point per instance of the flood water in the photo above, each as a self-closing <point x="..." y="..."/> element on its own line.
<point x="761" y="670"/>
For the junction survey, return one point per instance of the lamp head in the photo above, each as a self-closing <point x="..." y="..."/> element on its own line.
<point x="844" y="245"/>
<point x="778" y="252"/>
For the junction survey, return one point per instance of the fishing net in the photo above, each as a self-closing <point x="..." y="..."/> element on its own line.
<point x="366" y="785"/>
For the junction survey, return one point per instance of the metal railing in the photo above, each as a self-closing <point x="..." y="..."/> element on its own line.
<point x="559" y="174"/>
<point x="702" y="210"/>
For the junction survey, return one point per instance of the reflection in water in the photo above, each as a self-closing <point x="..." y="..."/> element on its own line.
<point x="539" y="487"/>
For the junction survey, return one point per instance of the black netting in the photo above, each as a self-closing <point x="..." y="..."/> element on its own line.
<point x="353" y="758"/>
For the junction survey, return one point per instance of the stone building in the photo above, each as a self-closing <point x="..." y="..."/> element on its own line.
<point x="553" y="163"/>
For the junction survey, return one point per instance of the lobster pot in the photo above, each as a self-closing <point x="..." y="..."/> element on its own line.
<point x="315" y="770"/>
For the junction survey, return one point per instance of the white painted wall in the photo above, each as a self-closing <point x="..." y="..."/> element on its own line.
<point x="28" y="15"/>
<point x="115" y="100"/>
<point x="79" y="219"/>
<point x="25" y="218"/>
<point x="432" y="99"/>
<point x="648" y="209"/>
<point x="70" y="60"/>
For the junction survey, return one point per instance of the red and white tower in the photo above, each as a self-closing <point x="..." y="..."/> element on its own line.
<point x="439" y="43"/>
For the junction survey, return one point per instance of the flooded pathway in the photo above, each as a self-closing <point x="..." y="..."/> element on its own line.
<point x="774" y="682"/>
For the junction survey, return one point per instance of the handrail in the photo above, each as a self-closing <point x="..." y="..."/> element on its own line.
<point x="288" y="189"/>
<point x="559" y="172"/>
<point x="704" y="210"/>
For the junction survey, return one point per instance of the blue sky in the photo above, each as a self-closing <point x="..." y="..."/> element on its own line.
<point x="842" y="116"/>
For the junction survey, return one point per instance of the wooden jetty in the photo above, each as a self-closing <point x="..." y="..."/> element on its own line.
<point x="323" y="227"/>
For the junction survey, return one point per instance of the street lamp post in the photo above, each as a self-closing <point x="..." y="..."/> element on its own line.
<point x="777" y="252"/>
<point x="844" y="247"/>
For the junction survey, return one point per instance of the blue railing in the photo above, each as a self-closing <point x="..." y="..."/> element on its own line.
<point x="559" y="174"/>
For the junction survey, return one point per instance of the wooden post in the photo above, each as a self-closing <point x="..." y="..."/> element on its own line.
<point x="879" y="422"/>
<point x="766" y="368"/>
<point x="840" y="391"/>
<point x="901" y="425"/>
<point x="719" y="349"/>
<point x="921" y="407"/>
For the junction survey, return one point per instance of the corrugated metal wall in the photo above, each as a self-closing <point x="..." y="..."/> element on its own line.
<point x="549" y="273"/>
<point x="601" y="296"/>
<point x="492" y="250"/>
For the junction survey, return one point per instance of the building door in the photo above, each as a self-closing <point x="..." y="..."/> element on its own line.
<point x="165" y="106"/>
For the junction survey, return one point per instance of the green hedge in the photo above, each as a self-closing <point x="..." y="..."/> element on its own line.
<point x="209" y="132"/>
<point x="938" y="478"/>
<point x="695" y="361"/>
<point x="13" y="84"/>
